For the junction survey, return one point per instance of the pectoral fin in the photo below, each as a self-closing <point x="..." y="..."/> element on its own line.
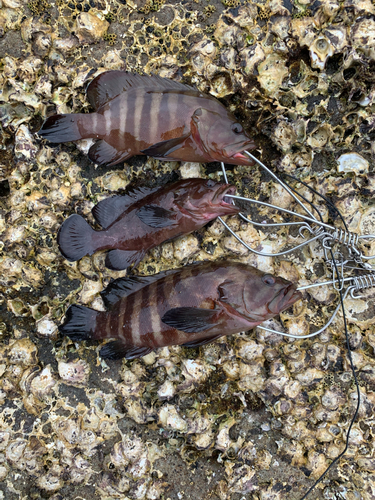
<point x="155" y="216"/>
<point x="190" y="319"/>
<point x="163" y="149"/>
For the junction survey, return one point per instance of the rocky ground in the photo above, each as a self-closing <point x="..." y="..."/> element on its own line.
<point x="252" y="416"/>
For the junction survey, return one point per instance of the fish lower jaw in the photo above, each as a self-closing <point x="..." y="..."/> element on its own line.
<point x="240" y="156"/>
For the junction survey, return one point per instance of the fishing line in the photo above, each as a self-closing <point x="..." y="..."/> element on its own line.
<point x="328" y="202"/>
<point x="345" y="328"/>
<point x="340" y="281"/>
<point x="357" y="387"/>
<point x="303" y="197"/>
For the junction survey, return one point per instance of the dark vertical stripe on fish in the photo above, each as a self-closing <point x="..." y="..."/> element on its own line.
<point x="166" y="287"/>
<point x="121" y="318"/>
<point x="145" y="308"/>
<point x="127" y="319"/>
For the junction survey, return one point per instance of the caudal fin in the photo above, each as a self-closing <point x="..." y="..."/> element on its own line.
<point x="63" y="128"/>
<point x="80" y="323"/>
<point x="75" y="238"/>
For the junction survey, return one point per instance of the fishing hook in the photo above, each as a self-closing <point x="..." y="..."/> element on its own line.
<point x="326" y="233"/>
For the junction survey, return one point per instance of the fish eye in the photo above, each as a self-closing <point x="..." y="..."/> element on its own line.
<point x="269" y="280"/>
<point x="237" y="128"/>
<point x="210" y="183"/>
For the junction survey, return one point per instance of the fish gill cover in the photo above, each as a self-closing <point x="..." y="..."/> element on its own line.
<point x="252" y="415"/>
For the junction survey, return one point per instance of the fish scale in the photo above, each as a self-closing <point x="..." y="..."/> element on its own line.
<point x="192" y="306"/>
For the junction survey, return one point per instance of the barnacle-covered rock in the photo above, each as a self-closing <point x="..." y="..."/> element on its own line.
<point x="271" y="73"/>
<point x="248" y="350"/>
<point x="185" y="247"/>
<point x="169" y="417"/>
<point x="308" y="117"/>
<point x="23" y="352"/>
<point x="47" y="328"/>
<point x="89" y="28"/>
<point x="24" y="144"/>
<point x="320" y="50"/>
<point x="43" y="383"/>
<point x="223" y="440"/>
<point x="52" y="480"/>
<point x="242" y="479"/>
<point x="195" y="372"/>
<point x="74" y="372"/>
<point x="363" y="37"/>
<point x="352" y="162"/>
<point x="41" y="44"/>
<point x="167" y="390"/>
<point x="128" y="450"/>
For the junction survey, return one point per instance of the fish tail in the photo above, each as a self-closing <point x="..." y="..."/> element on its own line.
<point x="75" y="238"/>
<point x="80" y="323"/>
<point x="66" y="128"/>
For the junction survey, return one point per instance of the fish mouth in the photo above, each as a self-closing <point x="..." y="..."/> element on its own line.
<point x="284" y="299"/>
<point x="226" y="202"/>
<point x="236" y="155"/>
<point x="241" y="156"/>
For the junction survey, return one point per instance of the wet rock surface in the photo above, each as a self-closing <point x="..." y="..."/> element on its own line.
<point x="251" y="416"/>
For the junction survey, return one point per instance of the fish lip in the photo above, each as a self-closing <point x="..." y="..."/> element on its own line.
<point x="291" y="295"/>
<point x="237" y="149"/>
<point x="285" y="298"/>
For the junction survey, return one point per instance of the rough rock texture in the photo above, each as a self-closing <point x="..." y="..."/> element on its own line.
<point x="252" y="416"/>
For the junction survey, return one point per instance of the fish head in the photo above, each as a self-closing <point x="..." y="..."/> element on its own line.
<point x="221" y="137"/>
<point x="266" y="295"/>
<point x="205" y="199"/>
<point x="257" y="295"/>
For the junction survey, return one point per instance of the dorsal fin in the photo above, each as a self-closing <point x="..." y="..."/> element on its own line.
<point x="108" y="210"/>
<point x="122" y="287"/>
<point x="110" y="84"/>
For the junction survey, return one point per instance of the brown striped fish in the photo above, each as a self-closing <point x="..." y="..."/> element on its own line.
<point x="191" y="306"/>
<point x="135" y="223"/>
<point x="154" y="116"/>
